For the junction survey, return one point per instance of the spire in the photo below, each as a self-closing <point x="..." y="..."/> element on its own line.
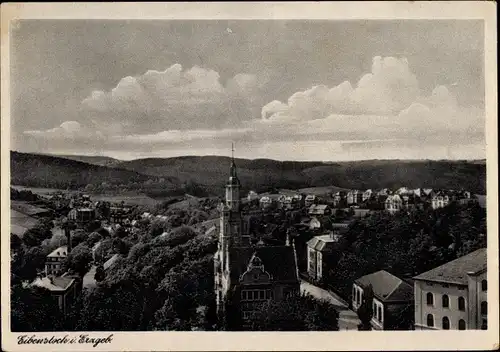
<point x="233" y="176"/>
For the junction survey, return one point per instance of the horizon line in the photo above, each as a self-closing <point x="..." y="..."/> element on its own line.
<point x="229" y="157"/>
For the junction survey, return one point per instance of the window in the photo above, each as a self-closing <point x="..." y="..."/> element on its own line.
<point x="446" y="323"/>
<point x="461" y="324"/>
<point x="358" y="297"/>
<point x="430" y="320"/>
<point x="430" y="299"/>
<point x="484" y="308"/>
<point x="484" y="325"/>
<point x="375" y="310"/>
<point x="484" y="285"/>
<point x="461" y="303"/>
<point x="446" y="301"/>
<point x="379" y="310"/>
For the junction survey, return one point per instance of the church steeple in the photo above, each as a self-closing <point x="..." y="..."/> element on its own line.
<point x="233" y="186"/>
<point x="233" y="177"/>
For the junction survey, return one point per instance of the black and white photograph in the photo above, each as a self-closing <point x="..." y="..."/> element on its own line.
<point x="246" y="175"/>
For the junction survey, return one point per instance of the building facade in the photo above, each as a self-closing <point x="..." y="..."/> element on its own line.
<point x="453" y="296"/>
<point x="354" y="197"/>
<point x="247" y="275"/>
<point x="55" y="260"/>
<point x="392" y="300"/>
<point x="63" y="289"/>
<point x="318" y="249"/>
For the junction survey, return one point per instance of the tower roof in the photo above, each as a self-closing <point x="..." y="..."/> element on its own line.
<point x="233" y="177"/>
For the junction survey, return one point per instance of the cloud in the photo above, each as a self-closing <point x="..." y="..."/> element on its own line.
<point x="389" y="88"/>
<point x="174" y="99"/>
<point x="67" y="130"/>
<point x="192" y="111"/>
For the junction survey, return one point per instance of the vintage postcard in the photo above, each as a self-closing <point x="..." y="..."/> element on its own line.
<point x="249" y="176"/>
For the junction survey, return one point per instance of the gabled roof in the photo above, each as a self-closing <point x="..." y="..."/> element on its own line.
<point x="109" y="263"/>
<point x="61" y="252"/>
<point x="54" y="284"/>
<point x="322" y="243"/>
<point x="456" y="270"/>
<point x="278" y="261"/>
<point x="387" y="287"/>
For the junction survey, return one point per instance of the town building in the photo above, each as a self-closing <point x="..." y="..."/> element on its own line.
<point x="392" y="300"/>
<point x="310" y="200"/>
<point x="81" y="215"/>
<point x="440" y="200"/>
<point x="354" y="197"/>
<point x="393" y="203"/>
<point x="64" y="289"/>
<point x="367" y="195"/>
<point x="252" y="196"/>
<point x="339" y="199"/>
<point x="453" y="296"/>
<point x="247" y="275"/>
<point x="266" y="202"/>
<point x="320" y="210"/>
<point x="318" y="249"/>
<point x="55" y="260"/>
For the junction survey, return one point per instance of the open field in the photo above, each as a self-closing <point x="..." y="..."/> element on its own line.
<point x="20" y="223"/>
<point x="130" y="198"/>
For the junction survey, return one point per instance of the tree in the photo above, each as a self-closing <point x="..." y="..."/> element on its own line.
<point x="30" y="308"/>
<point x="296" y="313"/>
<point x="79" y="259"/>
<point x="365" y="311"/>
<point x="100" y="274"/>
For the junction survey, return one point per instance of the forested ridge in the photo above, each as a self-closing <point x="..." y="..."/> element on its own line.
<point x="206" y="175"/>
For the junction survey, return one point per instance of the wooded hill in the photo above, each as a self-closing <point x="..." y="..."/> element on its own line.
<point x="211" y="172"/>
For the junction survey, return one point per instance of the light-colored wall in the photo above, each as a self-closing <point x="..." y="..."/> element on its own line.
<point x="356" y="304"/>
<point x="378" y="322"/>
<point x="477" y="295"/>
<point x="437" y="310"/>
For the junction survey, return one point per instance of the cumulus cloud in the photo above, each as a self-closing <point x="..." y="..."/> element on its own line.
<point x="175" y="99"/>
<point x="67" y="130"/>
<point x="387" y="89"/>
<point x="386" y="101"/>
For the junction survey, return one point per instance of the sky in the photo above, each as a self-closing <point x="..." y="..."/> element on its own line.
<point x="286" y="90"/>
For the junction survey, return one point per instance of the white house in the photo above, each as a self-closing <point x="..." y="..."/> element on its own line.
<point x="453" y="296"/>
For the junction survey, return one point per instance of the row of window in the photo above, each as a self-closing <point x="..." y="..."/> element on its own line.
<point x="445" y="301"/>
<point x="256" y="295"/>
<point x="445" y="323"/>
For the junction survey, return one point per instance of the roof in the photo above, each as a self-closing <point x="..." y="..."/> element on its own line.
<point x="318" y="208"/>
<point x="387" y="287"/>
<point x="278" y="261"/>
<point x="109" y="263"/>
<point x="322" y="243"/>
<point x="85" y="209"/>
<point x="61" y="252"/>
<point x="456" y="271"/>
<point x="54" y="284"/>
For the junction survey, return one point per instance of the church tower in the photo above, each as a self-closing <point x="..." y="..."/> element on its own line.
<point x="230" y="234"/>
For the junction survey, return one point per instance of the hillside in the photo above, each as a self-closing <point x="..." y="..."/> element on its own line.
<point x="212" y="171"/>
<point x="208" y="174"/>
<point x="38" y="170"/>
<point x="264" y="174"/>
<point x="94" y="160"/>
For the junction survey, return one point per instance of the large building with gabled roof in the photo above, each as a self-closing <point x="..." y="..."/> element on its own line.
<point x="453" y="296"/>
<point x="248" y="275"/>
